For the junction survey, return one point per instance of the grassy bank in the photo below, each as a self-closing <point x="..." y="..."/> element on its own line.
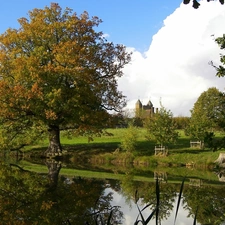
<point x="106" y="149"/>
<point x="173" y="174"/>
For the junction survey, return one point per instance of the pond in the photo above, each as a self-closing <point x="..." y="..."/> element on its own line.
<point x="57" y="194"/>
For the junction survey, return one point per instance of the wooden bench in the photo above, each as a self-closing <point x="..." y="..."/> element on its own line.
<point x="161" y="150"/>
<point x="195" y="182"/>
<point x="196" y="144"/>
<point x="161" y="176"/>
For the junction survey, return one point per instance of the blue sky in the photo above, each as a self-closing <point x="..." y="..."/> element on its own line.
<point x="172" y="45"/>
<point x="130" y="22"/>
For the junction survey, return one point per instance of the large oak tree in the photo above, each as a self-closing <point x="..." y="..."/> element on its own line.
<point x="57" y="72"/>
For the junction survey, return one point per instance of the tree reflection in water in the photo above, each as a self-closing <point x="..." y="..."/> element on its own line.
<point x="147" y="195"/>
<point x="25" y="198"/>
<point x="31" y="198"/>
<point x="209" y="199"/>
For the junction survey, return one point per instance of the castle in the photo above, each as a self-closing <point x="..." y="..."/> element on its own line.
<point x="144" y="110"/>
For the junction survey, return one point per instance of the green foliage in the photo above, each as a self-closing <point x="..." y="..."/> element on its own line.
<point x="12" y="134"/>
<point x="138" y="122"/>
<point x="161" y="127"/>
<point x="212" y="142"/>
<point x="181" y="122"/>
<point x="207" y="114"/>
<point x="129" y="141"/>
<point x="196" y="4"/>
<point x="220" y="69"/>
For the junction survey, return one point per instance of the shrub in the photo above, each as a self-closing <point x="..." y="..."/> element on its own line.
<point x="129" y="141"/>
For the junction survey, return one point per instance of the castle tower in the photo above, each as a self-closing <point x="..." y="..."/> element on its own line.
<point x="138" y="105"/>
<point x="150" y="104"/>
<point x="144" y="110"/>
<point x="138" y="108"/>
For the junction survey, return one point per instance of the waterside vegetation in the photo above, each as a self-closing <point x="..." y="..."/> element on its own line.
<point x="108" y="150"/>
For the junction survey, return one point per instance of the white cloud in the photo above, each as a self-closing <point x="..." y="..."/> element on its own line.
<point x="176" y="66"/>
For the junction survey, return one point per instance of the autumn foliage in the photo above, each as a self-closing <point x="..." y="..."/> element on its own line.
<point x="57" y="72"/>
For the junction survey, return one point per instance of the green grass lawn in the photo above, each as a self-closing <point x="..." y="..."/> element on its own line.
<point x="116" y="137"/>
<point x="103" y="149"/>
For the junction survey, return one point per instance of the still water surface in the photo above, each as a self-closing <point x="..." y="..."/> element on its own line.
<point x="130" y="211"/>
<point x="62" y="197"/>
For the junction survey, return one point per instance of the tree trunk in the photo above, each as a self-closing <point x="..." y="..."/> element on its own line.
<point x="221" y="159"/>
<point x="54" y="148"/>
<point x="53" y="173"/>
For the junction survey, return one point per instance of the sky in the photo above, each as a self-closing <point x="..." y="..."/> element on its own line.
<point x="172" y="45"/>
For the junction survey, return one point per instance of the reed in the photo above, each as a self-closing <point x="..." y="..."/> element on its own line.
<point x="98" y="219"/>
<point x="155" y="211"/>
